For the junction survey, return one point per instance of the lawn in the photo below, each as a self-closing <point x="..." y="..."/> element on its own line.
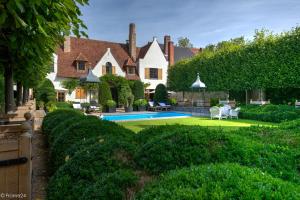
<point x="201" y="121"/>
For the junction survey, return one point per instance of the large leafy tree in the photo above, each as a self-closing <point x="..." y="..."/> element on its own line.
<point x="184" y="42"/>
<point x="29" y="33"/>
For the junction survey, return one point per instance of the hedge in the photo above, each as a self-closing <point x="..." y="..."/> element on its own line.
<point x="294" y="124"/>
<point x="220" y="181"/>
<point x="84" y="129"/>
<point x="95" y="166"/>
<point x="52" y="119"/>
<point x="161" y="93"/>
<point x="269" y="61"/>
<point x="270" y="113"/>
<point x="181" y="146"/>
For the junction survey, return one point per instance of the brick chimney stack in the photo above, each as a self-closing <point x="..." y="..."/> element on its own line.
<point x="67" y="44"/>
<point x="167" y="39"/>
<point x="132" y="41"/>
<point x="171" y="53"/>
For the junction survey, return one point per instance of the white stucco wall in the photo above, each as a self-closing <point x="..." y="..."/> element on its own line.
<point x="108" y="57"/>
<point x="154" y="58"/>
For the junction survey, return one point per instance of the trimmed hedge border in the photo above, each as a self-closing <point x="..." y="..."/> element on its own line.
<point x="220" y="181"/>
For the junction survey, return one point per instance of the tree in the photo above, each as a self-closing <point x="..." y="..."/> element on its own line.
<point x="138" y="90"/>
<point x="184" y="42"/>
<point x="104" y="93"/>
<point x="30" y="31"/>
<point x="70" y="85"/>
<point x="161" y="93"/>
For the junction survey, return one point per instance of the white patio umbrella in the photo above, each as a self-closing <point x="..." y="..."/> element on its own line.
<point x="197" y="84"/>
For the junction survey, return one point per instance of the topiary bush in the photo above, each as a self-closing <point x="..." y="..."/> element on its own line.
<point x="104" y="93"/>
<point x="161" y="93"/>
<point x="52" y="119"/>
<point x="270" y="113"/>
<point x="45" y="92"/>
<point x="220" y="181"/>
<point x="180" y="146"/>
<point x="83" y="130"/>
<point x="62" y="126"/>
<point x="138" y="90"/>
<point x="100" y="164"/>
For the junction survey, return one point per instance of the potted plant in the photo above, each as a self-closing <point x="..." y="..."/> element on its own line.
<point x="140" y="104"/>
<point x="126" y="97"/>
<point x="129" y="103"/>
<point x="110" y="106"/>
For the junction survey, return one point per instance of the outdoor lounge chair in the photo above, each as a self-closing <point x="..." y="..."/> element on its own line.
<point x="164" y="106"/>
<point x="94" y="106"/>
<point x="152" y="107"/>
<point x="77" y="106"/>
<point x="234" y="113"/>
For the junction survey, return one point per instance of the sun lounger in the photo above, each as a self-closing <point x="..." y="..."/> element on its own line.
<point x="77" y="106"/>
<point x="164" y="106"/>
<point x="152" y="107"/>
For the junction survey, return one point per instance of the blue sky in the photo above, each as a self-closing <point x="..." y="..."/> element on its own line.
<point x="202" y="21"/>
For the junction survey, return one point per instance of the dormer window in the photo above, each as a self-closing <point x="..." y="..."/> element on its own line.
<point x="81" y="65"/>
<point x="131" y="70"/>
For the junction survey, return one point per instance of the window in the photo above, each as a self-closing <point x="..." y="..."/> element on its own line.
<point x="108" y="68"/>
<point x="81" y="65"/>
<point x="131" y="70"/>
<point x="61" y="96"/>
<point x="153" y="73"/>
<point x="80" y="93"/>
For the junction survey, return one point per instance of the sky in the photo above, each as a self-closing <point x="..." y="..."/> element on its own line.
<point x="202" y="21"/>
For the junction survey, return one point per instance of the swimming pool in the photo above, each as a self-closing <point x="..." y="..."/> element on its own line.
<point x="143" y="116"/>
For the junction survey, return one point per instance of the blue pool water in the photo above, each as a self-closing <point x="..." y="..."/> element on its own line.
<point x="141" y="116"/>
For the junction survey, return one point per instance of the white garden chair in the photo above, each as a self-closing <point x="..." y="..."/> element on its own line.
<point x="234" y="113"/>
<point x="215" y="112"/>
<point x="225" y="111"/>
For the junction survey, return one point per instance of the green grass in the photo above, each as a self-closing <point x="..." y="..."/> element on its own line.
<point x="201" y="121"/>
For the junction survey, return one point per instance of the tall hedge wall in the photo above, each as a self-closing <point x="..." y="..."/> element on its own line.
<point x="269" y="61"/>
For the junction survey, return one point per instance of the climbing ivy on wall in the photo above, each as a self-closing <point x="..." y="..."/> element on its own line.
<point x="269" y="61"/>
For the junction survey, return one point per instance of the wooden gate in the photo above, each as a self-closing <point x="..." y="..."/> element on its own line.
<point x="15" y="162"/>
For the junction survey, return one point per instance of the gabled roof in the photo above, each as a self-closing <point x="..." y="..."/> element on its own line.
<point x="143" y="50"/>
<point x="182" y="52"/>
<point x="92" y="50"/>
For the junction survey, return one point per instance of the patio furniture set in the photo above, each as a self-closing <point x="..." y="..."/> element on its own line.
<point x="224" y="112"/>
<point x="159" y="107"/>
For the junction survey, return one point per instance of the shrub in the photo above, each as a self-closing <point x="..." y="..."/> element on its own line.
<point x="279" y="136"/>
<point x="294" y="124"/>
<point x="172" y="101"/>
<point x="64" y="125"/>
<point x="84" y="129"/>
<point x="214" y="102"/>
<point x="98" y="164"/>
<point x="270" y="113"/>
<point x="104" y="93"/>
<point x="126" y="97"/>
<point x="180" y="146"/>
<point x="45" y="92"/>
<point x="161" y="93"/>
<point x="140" y="102"/>
<point x="138" y="90"/>
<point x="220" y="181"/>
<point x="53" y="119"/>
<point x="63" y="105"/>
<point x="111" y="186"/>
<point x="111" y="104"/>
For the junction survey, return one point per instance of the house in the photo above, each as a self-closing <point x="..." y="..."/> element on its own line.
<point x="148" y="63"/>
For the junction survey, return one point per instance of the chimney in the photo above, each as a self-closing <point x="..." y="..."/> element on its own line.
<point x="67" y="44"/>
<point x="171" y="53"/>
<point x="167" y="39"/>
<point x="132" y="41"/>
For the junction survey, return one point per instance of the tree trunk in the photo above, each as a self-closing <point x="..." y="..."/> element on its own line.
<point x="19" y="94"/>
<point x="9" y="90"/>
<point x="25" y="94"/>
